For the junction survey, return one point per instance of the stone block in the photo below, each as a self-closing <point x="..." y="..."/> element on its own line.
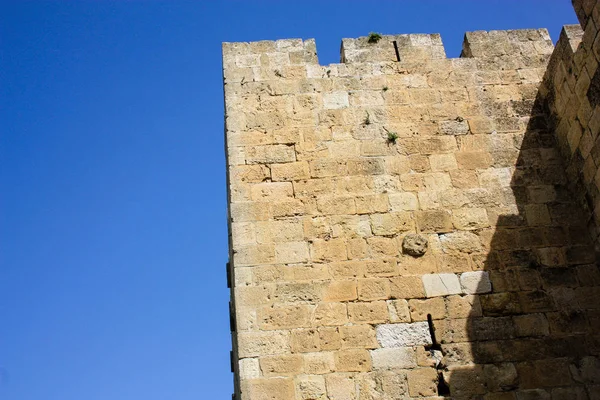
<point x="309" y="387"/>
<point x="352" y="360"/>
<point x="394" y="358"/>
<point x="269" y="389"/>
<point x="249" y="368"/>
<point x="404" y="335"/>
<point x="422" y="382"/>
<point x="441" y="284"/>
<point x="475" y="282"/>
<point x="281" y="365"/>
<point x="372" y="312"/>
<point x="419" y="309"/>
<point x="358" y="336"/>
<point x="437" y="221"/>
<point x="406" y="287"/>
<point x="373" y="289"/>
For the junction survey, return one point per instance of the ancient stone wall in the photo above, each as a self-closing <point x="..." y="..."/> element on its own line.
<point x="402" y="224"/>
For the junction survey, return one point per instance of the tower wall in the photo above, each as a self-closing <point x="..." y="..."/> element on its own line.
<point x="402" y="224"/>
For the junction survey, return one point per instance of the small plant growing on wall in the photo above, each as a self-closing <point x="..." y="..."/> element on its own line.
<point x="391" y="136"/>
<point x="374" y="37"/>
<point x="367" y="120"/>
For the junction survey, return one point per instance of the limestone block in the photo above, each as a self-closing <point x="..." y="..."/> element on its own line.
<point x="249" y="368"/>
<point x="463" y="306"/>
<point x="382" y="267"/>
<point x="269" y="389"/>
<point x="394" y="358"/>
<point x="309" y="387"/>
<point x="344" y="290"/>
<point x="470" y="218"/>
<point x="291" y="252"/>
<point x="419" y="309"/>
<point x="406" y="287"/>
<point x="329" y="339"/>
<point x="254" y="254"/>
<point x="531" y="325"/>
<point x="252" y="344"/>
<point x="328" y="314"/>
<point x="270" y="154"/>
<point x="372" y="204"/>
<point x="403" y="335"/>
<point x="341" y="387"/>
<point x="422" y="382"/>
<point x="295" y="292"/>
<point x="335" y="100"/>
<point x="434" y="221"/>
<point x="352" y="360"/>
<point x="442" y="162"/>
<point x="358" y="336"/>
<point x="373" y="289"/>
<point x="464" y="242"/>
<point x="304" y="341"/>
<point x="398" y="310"/>
<point x="403" y="201"/>
<point x="281" y="317"/>
<point x="454" y="127"/>
<point x="290" y="171"/>
<point x="391" y="223"/>
<point x="441" y="284"/>
<point x="328" y="250"/>
<point x="319" y="363"/>
<point x="250" y="211"/>
<point x="281" y="365"/>
<point x="372" y="312"/>
<point x="475" y="282"/>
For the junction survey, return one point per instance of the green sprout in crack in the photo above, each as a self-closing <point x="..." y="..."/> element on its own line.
<point x="391" y="136"/>
<point x="374" y="37"/>
<point x="367" y="120"/>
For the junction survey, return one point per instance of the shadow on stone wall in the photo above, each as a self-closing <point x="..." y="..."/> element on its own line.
<point x="535" y="335"/>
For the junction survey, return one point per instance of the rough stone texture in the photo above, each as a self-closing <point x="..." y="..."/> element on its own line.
<point x="403" y="335"/>
<point x="475" y="282"/>
<point x="496" y="165"/>
<point x="414" y="245"/>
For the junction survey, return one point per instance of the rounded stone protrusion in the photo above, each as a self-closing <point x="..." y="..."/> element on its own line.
<point x="414" y="245"/>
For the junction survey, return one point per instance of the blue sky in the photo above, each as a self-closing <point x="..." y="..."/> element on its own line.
<point x="113" y="238"/>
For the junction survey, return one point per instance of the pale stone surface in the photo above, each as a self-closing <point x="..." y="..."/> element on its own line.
<point x="335" y="100"/>
<point x="403" y="357"/>
<point x="441" y="284"/>
<point x="475" y="282"/>
<point x="249" y="368"/>
<point x="403" y="335"/>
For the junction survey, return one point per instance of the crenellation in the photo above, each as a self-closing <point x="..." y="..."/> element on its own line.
<point x="404" y="225"/>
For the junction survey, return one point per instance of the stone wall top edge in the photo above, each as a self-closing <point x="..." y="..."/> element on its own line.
<point x="407" y="47"/>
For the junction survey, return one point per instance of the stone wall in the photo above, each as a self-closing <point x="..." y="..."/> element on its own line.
<point x="571" y="93"/>
<point x="402" y="225"/>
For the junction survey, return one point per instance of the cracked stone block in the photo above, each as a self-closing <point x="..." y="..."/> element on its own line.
<point x="414" y="245"/>
<point x="441" y="285"/>
<point x="475" y="282"/>
<point x="403" y="335"/>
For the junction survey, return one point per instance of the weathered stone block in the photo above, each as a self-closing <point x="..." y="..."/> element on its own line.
<point x="403" y="335"/>
<point x="441" y="284"/>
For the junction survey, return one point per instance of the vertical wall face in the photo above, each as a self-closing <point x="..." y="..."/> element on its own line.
<point x="571" y="92"/>
<point x="369" y="197"/>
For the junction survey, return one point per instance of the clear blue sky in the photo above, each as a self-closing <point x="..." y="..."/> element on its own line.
<point x="113" y="236"/>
